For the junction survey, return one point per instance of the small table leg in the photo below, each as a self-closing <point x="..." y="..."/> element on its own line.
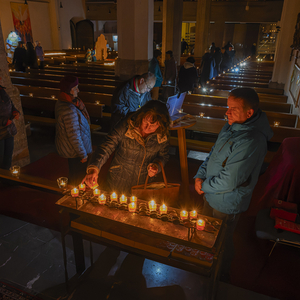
<point x="183" y="162"/>
<point x="78" y="252"/>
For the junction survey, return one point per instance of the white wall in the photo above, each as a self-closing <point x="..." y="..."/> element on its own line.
<point x="40" y="23"/>
<point x="71" y="9"/>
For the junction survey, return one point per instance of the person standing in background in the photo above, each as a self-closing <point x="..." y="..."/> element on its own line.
<point x="170" y="74"/>
<point x="31" y="57"/>
<point x="73" y="135"/>
<point x="40" y="54"/>
<point x="155" y="69"/>
<point x="20" y="57"/>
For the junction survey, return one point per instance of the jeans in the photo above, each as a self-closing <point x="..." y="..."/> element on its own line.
<point x="6" y="152"/>
<point x="231" y="222"/>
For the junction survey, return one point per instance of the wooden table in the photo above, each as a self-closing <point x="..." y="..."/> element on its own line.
<point x="181" y="126"/>
<point x="149" y="237"/>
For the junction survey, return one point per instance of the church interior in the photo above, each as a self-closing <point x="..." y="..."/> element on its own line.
<point x="57" y="245"/>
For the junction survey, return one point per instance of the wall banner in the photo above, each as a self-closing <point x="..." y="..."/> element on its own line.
<point x="21" y="19"/>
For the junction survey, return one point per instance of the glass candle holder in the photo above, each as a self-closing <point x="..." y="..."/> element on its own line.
<point x="276" y="124"/>
<point x="102" y="199"/>
<point x="123" y="199"/>
<point x="132" y="207"/>
<point x="200" y="225"/>
<point x="62" y="182"/>
<point x="81" y="187"/>
<point x="75" y="192"/>
<point x="15" y="171"/>
<point x="113" y="197"/>
<point x="201" y="114"/>
<point x="53" y="97"/>
<point x="96" y="192"/>
<point x="163" y="209"/>
<point x="152" y="205"/>
<point x="193" y="214"/>
<point x="30" y="94"/>
<point x="133" y="199"/>
<point x="184" y="215"/>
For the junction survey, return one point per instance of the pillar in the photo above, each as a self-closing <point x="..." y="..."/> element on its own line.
<point x="202" y="27"/>
<point x="21" y="153"/>
<point x="172" y="25"/>
<point x="219" y="27"/>
<point x="239" y="38"/>
<point x="135" y="37"/>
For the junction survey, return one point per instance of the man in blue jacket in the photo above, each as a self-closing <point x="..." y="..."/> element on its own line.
<point x="230" y="172"/>
<point x="131" y="96"/>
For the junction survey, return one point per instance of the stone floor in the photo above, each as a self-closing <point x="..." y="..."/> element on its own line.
<point x="31" y="259"/>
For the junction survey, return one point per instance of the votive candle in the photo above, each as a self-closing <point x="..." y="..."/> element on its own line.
<point x="123" y="199"/>
<point x="133" y="199"/>
<point x="152" y="205"/>
<point x="102" y="199"/>
<point x="132" y="207"/>
<point x="114" y="197"/>
<point x="200" y="225"/>
<point x="81" y="187"/>
<point x="184" y="215"/>
<point x="75" y="192"/>
<point x="163" y="209"/>
<point x="193" y="214"/>
<point x="96" y="192"/>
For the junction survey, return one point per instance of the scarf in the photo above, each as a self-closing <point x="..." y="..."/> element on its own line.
<point x="64" y="97"/>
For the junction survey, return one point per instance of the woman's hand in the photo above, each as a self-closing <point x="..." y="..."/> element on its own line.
<point x="152" y="170"/>
<point x="91" y="178"/>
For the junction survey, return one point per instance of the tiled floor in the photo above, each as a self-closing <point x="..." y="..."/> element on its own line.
<point x="31" y="258"/>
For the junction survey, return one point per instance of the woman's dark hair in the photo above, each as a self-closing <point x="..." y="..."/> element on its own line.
<point x="158" y="112"/>
<point x="156" y="53"/>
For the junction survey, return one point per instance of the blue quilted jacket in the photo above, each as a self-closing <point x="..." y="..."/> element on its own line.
<point x="73" y="135"/>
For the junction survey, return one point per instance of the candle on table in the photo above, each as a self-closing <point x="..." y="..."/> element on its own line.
<point x="102" y="199"/>
<point x="114" y="197"/>
<point x="133" y="199"/>
<point x="200" y="225"/>
<point x="184" y="215"/>
<point x="96" y="192"/>
<point x="276" y="124"/>
<point x="193" y="214"/>
<point x="15" y="171"/>
<point x="75" y="192"/>
<point x="81" y="187"/>
<point x="123" y="199"/>
<point x="152" y="205"/>
<point x="132" y="207"/>
<point x="163" y="209"/>
<point x="53" y="97"/>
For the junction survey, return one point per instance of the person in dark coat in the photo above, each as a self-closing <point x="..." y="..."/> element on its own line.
<point x="155" y="69"/>
<point x="139" y="142"/>
<point x="131" y="95"/>
<point x="184" y="46"/>
<point x="20" y="57"/>
<point x="31" y="57"/>
<point x="225" y="64"/>
<point x="170" y="74"/>
<point x="218" y="59"/>
<point x="207" y="65"/>
<point x="188" y="76"/>
<point x="8" y="129"/>
<point x="40" y="54"/>
<point x="73" y="134"/>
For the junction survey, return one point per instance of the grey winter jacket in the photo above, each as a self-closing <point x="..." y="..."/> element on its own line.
<point x="73" y="135"/>
<point x="6" y="113"/>
<point x="132" y="156"/>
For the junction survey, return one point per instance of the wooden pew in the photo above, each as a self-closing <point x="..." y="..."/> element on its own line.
<point x="257" y="89"/>
<point x="80" y="68"/>
<point x="222" y="101"/>
<point x="74" y="73"/>
<point x="218" y="112"/>
<point x="86" y="97"/>
<point x="57" y="77"/>
<point x="245" y="83"/>
<point x="55" y="84"/>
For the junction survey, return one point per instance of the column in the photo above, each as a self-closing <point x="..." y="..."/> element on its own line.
<point x="172" y="24"/>
<point x="21" y="153"/>
<point x="202" y="27"/>
<point x="135" y="37"/>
